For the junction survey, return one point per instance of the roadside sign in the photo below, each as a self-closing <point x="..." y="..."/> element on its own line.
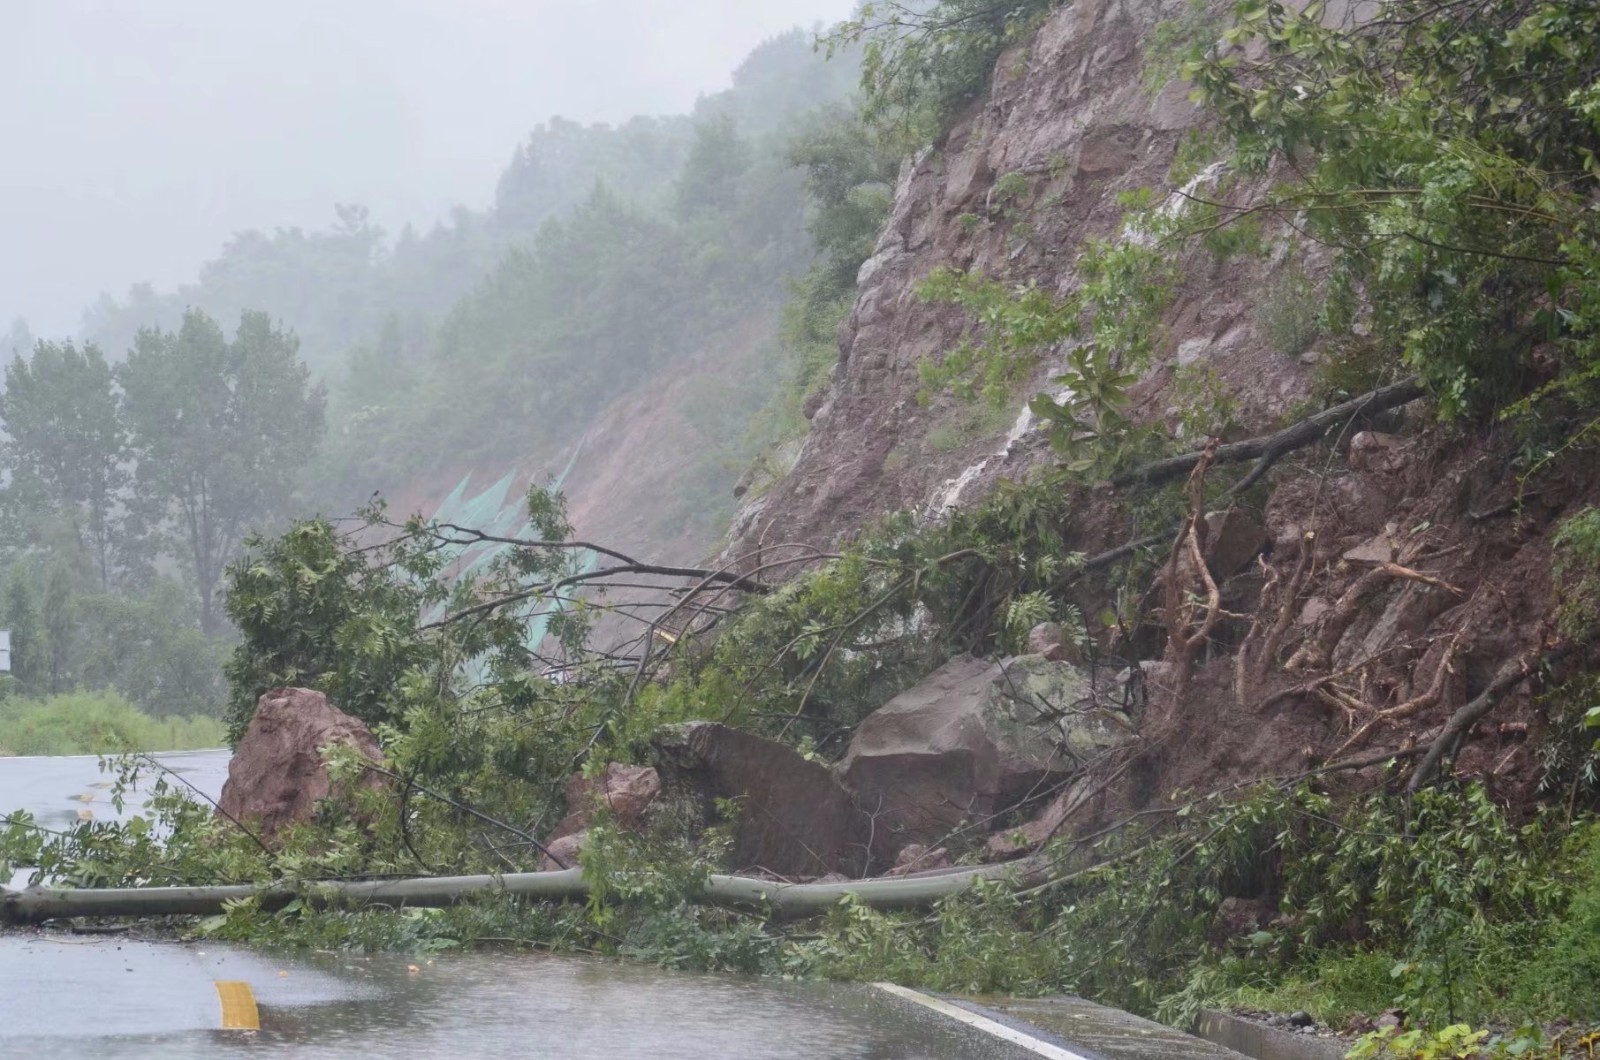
<point x="5" y="651"/>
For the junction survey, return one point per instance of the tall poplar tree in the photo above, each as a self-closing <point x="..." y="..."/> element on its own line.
<point x="219" y="431"/>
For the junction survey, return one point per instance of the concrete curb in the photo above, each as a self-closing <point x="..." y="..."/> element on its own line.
<point x="1265" y="1043"/>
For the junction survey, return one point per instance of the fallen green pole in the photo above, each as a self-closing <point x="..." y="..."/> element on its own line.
<point x="779" y="900"/>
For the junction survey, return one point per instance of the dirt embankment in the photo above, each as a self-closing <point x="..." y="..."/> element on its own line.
<point x="647" y="476"/>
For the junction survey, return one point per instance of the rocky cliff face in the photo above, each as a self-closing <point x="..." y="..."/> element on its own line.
<point x="1012" y="192"/>
<point x="1399" y="571"/>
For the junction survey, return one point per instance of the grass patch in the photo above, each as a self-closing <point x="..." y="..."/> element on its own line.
<point x="97" y="723"/>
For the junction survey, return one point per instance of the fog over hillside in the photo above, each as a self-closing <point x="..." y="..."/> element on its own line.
<point x="139" y="137"/>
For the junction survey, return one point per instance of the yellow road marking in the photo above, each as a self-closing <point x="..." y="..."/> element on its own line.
<point x="239" y="1012"/>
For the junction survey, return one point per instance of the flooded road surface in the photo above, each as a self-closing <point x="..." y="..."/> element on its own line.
<point x="60" y="792"/>
<point x="65" y="996"/>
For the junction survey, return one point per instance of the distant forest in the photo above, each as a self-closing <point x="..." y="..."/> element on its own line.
<point x="305" y="370"/>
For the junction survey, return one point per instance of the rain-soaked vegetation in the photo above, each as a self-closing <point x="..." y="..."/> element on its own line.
<point x="165" y="469"/>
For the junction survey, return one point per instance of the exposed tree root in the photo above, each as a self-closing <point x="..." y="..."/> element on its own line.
<point x="1189" y="622"/>
<point x="1513" y="673"/>
<point x="1260" y="649"/>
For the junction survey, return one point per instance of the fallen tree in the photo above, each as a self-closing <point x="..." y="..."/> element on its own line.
<point x="780" y="901"/>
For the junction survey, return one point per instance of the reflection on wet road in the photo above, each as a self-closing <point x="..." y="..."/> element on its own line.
<point x="66" y="996"/>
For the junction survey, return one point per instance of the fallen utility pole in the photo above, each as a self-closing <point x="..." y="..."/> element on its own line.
<point x="781" y="901"/>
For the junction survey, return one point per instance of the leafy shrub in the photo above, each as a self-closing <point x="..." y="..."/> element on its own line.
<point x="1577" y="574"/>
<point x="922" y="63"/>
<point x="1560" y="976"/>
<point x="1290" y="311"/>
<point x="1443" y="174"/>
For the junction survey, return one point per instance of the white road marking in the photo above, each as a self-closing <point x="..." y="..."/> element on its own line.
<point x="982" y="1023"/>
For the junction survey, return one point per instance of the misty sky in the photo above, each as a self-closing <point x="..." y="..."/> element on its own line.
<point x="136" y="135"/>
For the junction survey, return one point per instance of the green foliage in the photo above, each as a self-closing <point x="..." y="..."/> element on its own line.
<point x="1456" y="1040"/>
<point x="849" y="172"/>
<point x="96" y="723"/>
<point x="1290" y="312"/>
<point x="144" y="640"/>
<point x="1576" y="568"/>
<point x="313" y="609"/>
<point x="849" y="183"/>
<point x="1450" y="164"/>
<point x="376" y="617"/>
<point x="811" y="659"/>
<point x="710" y="183"/>
<point x="67" y="451"/>
<point x="601" y="299"/>
<point x="1105" y="333"/>
<point x="1205" y="408"/>
<point x="1559" y="976"/>
<point x="969" y="424"/>
<point x="921" y="64"/>
<point x="1177" y="41"/>
<point x="1461" y="1040"/>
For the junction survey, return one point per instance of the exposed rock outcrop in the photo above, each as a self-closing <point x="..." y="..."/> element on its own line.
<point x="1068" y="124"/>
<point x="627" y="794"/>
<point x="795" y="819"/>
<point x="975" y="740"/>
<point x="277" y="774"/>
<point x="1050" y="640"/>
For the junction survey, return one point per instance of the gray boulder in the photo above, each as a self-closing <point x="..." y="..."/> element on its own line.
<point x="794" y="817"/>
<point x="975" y="740"/>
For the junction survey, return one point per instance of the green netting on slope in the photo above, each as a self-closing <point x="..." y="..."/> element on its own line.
<point x="500" y="513"/>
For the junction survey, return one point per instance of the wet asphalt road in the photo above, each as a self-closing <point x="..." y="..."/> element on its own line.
<point x="60" y="792"/>
<point x="65" y="996"/>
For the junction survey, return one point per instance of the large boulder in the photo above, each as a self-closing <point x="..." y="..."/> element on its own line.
<point x="625" y="792"/>
<point x="795" y="819"/>
<point x="277" y="775"/>
<point x="974" y="741"/>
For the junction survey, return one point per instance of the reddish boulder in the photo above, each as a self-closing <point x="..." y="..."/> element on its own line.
<point x="277" y="776"/>
<point x="1050" y="640"/>
<point x="974" y="741"/>
<point x="1239" y="918"/>
<point x="563" y="853"/>
<point x="1025" y="838"/>
<point x="1234" y="539"/>
<point x="795" y="818"/>
<point x="626" y="792"/>
<point x="1376" y="451"/>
